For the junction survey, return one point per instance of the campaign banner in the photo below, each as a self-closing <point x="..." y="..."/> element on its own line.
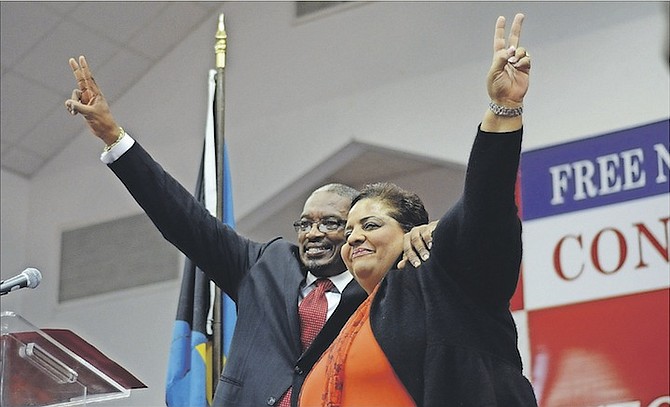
<point x="596" y="214"/>
<point x="606" y="353"/>
<point x="596" y="275"/>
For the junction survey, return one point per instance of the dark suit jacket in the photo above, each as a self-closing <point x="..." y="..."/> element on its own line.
<point x="262" y="278"/>
<point x="446" y="327"/>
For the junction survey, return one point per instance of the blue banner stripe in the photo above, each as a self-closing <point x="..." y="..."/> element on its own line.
<point x="603" y="170"/>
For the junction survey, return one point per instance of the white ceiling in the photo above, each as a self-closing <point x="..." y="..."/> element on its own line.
<point x="123" y="38"/>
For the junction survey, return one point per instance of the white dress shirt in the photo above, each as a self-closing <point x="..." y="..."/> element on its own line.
<point x="118" y="150"/>
<point x="333" y="297"/>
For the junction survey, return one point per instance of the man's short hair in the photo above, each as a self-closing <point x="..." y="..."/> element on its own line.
<point x="340" y="189"/>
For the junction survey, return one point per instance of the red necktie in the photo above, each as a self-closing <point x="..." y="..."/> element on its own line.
<point x="312" y="312"/>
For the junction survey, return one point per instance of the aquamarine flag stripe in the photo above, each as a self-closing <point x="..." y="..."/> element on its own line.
<point x="228" y="307"/>
<point x="179" y="352"/>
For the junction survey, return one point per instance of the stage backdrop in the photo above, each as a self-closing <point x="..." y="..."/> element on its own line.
<point x="593" y="300"/>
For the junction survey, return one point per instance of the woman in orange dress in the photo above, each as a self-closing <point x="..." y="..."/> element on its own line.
<point x="440" y="335"/>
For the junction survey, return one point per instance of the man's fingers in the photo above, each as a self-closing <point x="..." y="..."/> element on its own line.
<point x="78" y="75"/>
<point x="76" y="96"/>
<point x="409" y="257"/>
<point x="73" y="65"/>
<point x="419" y="245"/>
<point x="70" y="108"/>
<point x="427" y="237"/>
<point x="409" y="254"/>
<point x="413" y="248"/>
<point x="87" y="90"/>
<point x="73" y="106"/>
<point x="88" y="76"/>
<point x="85" y="81"/>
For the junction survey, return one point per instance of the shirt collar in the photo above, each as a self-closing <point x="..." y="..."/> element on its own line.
<point x="340" y="281"/>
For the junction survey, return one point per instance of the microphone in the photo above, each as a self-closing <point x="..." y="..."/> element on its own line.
<point x="29" y="277"/>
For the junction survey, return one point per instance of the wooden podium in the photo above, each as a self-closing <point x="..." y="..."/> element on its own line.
<point x="55" y="367"/>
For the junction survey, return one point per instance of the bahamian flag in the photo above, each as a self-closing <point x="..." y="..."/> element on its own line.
<point x="190" y="377"/>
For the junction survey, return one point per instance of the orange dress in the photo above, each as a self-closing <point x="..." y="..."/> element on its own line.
<point x="354" y="370"/>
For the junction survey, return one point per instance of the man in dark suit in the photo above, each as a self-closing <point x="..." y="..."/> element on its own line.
<point x="268" y="360"/>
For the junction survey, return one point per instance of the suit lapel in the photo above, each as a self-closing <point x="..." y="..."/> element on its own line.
<point x="291" y="287"/>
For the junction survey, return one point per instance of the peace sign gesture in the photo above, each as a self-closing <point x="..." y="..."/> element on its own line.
<point x="88" y="100"/>
<point x="507" y="81"/>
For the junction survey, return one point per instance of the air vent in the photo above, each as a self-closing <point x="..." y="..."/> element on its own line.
<point x="116" y="255"/>
<point x="303" y="9"/>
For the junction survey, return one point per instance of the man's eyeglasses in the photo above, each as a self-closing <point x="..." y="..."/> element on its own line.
<point x="324" y="225"/>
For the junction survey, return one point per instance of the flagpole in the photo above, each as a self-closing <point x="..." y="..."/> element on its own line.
<point x="219" y="110"/>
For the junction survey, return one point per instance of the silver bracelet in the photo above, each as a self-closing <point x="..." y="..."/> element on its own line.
<point x="505" y="111"/>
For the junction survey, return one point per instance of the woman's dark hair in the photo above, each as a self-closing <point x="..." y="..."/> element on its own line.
<point x="406" y="207"/>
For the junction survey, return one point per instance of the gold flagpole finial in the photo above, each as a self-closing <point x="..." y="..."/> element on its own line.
<point x="220" y="45"/>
